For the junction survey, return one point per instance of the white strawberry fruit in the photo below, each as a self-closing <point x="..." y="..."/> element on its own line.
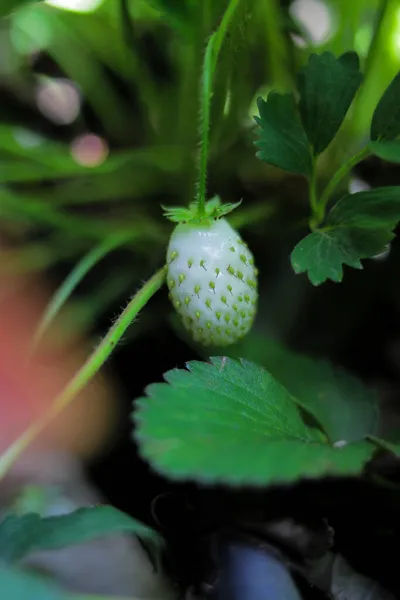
<point x="212" y="281"/>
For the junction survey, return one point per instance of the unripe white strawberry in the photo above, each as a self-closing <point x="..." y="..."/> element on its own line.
<point x="212" y="281"/>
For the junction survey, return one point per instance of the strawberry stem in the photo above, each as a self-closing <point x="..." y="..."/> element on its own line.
<point x="209" y="65"/>
<point x="86" y="373"/>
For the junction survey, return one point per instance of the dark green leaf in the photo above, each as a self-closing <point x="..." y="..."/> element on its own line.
<point x="386" y="118"/>
<point x="373" y="209"/>
<point x="389" y="151"/>
<point x="323" y="253"/>
<point x="346" y="408"/>
<point x="282" y="141"/>
<point x="350" y="60"/>
<point x="28" y="533"/>
<point x="358" y="226"/>
<point x="233" y="422"/>
<point x="16" y="584"/>
<point x="327" y="88"/>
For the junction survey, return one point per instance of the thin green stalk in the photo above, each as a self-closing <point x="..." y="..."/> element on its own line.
<point x="205" y="126"/>
<point x="88" y="370"/>
<point x="73" y="279"/>
<point x="319" y="206"/>
<point x="210" y="61"/>
<point x="315" y="208"/>
<point x="341" y="174"/>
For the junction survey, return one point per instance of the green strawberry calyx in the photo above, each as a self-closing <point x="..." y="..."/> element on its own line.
<point x="213" y="209"/>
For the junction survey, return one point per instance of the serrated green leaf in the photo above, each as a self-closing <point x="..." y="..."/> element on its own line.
<point x="327" y="87"/>
<point x="358" y="226"/>
<point x="23" y="534"/>
<point x="389" y="151"/>
<point x="16" y="584"/>
<point x="323" y="253"/>
<point x="385" y="123"/>
<point x="232" y="422"/>
<point x="344" y="406"/>
<point x="377" y="208"/>
<point x="282" y="141"/>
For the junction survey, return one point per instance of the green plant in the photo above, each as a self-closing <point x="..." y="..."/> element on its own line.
<point x="288" y="417"/>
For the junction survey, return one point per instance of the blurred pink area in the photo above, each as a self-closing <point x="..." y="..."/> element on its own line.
<point x="30" y="380"/>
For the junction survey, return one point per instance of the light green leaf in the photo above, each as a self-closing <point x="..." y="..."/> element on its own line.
<point x="28" y="533"/>
<point x="389" y="151"/>
<point x="232" y="422"/>
<point x="344" y="406"/>
<point x="16" y="584"/>
<point x="282" y="141"/>
<point x="323" y="253"/>
<point x="385" y="123"/>
<point x="327" y="87"/>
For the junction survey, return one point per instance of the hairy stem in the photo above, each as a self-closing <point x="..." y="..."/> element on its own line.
<point x="88" y="370"/>
<point x="210" y="61"/>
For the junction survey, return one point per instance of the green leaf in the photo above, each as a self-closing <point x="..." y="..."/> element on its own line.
<point x="350" y="60"/>
<point x="28" y="533"/>
<point x="377" y="208"/>
<point x="385" y="123"/>
<point x="358" y="226"/>
<point x="16" y="584"/>
<point x="323" y="253"/>
<point x="282" y="141"/>
<point x="232" y="422"/>
<point x="346" y="408"/>
<point x="327" y="87"/>
<point x="389" y="151"/>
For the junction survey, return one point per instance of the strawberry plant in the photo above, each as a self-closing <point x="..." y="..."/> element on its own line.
<point x="247" y="172"/>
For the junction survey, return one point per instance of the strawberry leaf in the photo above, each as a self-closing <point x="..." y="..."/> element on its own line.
<point x="345" y="407"/>
<point x="389" y="151"/>
<point x="322" y="254"/>
<point x="282" y="141"/>
<point x="374" y="209"/>
<point x="327" y="87"/>
<point x="229" y="421"/>
<point x="359" y="226"/>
